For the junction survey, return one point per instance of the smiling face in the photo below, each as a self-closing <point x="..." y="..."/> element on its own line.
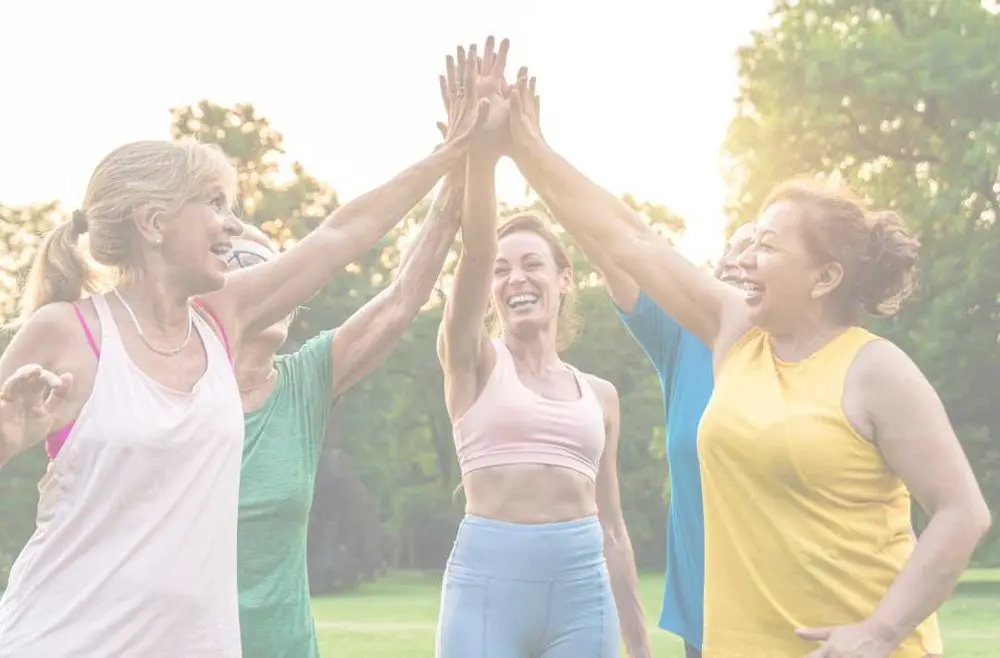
<point x="727" y="269"/>
<point x="196" y="240"/>
<point x="782" y="278"/>
<point x="530" y="282"/>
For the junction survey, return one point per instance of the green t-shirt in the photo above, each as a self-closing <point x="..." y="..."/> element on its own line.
<point x="280" y="458"/>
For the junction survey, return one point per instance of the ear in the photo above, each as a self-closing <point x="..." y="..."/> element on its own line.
<point x="565" y="281"/>
<point x="828" y="278"/>
<point x="151" y="227"/>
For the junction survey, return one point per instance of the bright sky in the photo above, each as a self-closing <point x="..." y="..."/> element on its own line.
<point x="637" y="93"/>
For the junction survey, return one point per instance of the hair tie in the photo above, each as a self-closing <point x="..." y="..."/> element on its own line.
<point x="79" y="222"/>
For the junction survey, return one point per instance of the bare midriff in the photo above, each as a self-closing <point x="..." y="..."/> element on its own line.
<point x="529" y="493"/>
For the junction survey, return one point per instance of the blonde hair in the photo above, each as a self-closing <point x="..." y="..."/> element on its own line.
<point x="137" y="179"/>
<point x="569" y="321"/>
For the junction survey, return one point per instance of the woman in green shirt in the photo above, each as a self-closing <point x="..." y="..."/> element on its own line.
<point x="286" y="402"/>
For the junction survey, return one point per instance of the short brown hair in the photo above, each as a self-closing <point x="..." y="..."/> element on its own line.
<point x="876" y="250"/>
<point x="529" y="222"/>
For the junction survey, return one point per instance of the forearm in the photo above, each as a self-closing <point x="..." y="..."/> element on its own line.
<point x="479" y="209"/>
<point x="625" y="586"/>
<point x="462" y="328"/>
<point x="597" y="218"/>
<point x="260" y="296"/>
<point x="930" y="575"/>
<point x="361" y="223"/>
<point x="421" y="265"/>
<point x="591" y="213"/>
<point x="622" y="289"/>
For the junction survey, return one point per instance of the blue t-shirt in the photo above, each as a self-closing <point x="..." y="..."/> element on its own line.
<point x="684" y="365"/>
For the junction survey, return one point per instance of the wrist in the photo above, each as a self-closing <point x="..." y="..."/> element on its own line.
<point x="886" y="631"/>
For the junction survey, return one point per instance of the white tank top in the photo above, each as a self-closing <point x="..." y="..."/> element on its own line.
<point x="134" y="554"/>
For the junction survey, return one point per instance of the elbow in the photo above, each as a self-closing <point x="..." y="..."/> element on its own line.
<point x="982" y="521"/>
<point x="615" y="536"/>
<point x="627" y="245"/>
<point x="405" y="302"/>
<point x="969" y="523"/>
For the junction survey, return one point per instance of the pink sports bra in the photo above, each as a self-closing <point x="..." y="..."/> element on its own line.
<point x="511" y="424"/>
<point x="55" y="441"/>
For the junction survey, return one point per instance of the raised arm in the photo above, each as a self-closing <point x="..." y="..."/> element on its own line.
<point x="594" y="216"/>
<point x="463" y="345"/>
<point x="363" y="342"/>
<point x="260" y="296"/>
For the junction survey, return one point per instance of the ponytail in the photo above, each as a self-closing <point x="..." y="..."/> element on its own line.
<point x="59" y="273"/>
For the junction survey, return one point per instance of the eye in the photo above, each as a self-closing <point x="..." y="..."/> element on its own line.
<point x="500" y="270"/>
<point x="532" y="265"/>
<point x="220" y="203"/>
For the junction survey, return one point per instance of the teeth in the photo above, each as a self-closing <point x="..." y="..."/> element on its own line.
<point x="519" y="300"/>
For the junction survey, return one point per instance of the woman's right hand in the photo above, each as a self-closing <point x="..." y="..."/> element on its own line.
<point x="29" y="405"/>
<point x="525" y="110"/>
<point x="468" y="112"/>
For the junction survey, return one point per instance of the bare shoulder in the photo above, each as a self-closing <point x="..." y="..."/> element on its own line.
<point x="882" y="362"/>
<point x="605" y="390"/>
<point x="50" y="337"/>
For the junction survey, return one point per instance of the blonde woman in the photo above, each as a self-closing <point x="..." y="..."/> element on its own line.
<point x="135" y="549"/>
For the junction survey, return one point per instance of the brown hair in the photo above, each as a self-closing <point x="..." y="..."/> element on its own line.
<point x="876" y="250"/>
<point x="569" y="321"/>
<point x="137" y="178"/>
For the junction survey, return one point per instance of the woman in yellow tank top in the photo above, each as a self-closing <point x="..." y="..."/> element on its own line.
<point x="817" y="431"/>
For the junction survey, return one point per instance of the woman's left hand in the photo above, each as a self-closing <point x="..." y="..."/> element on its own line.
<point x="861" y="640"/>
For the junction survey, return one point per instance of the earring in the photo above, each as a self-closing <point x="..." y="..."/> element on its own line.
<point x="158" y="239"/>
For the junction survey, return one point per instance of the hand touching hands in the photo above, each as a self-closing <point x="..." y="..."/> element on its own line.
<point x="525" y="108"/>
<point x="468" y="113"/>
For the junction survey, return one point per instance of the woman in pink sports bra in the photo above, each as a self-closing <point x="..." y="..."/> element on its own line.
<point x="134" y="553"/>
<point x="542" y="566"/>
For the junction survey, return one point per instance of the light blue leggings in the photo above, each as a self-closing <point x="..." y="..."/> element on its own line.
<point x="527" y="591"/>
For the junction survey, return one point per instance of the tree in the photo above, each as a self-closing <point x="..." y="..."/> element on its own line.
<point x="21" y="231"/>
<point x="901" y="101"/>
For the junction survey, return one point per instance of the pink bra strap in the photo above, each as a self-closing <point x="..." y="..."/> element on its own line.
<point x="222" y="330"/>
<point x="86" y="330"/>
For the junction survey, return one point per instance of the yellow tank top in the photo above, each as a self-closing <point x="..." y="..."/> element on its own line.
<point x="805" y="525"/>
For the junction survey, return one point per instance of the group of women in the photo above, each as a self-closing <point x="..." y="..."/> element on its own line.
<point x="172" y="516"/>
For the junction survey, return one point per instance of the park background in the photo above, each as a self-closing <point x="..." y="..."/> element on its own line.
<point x="898" y="98"/>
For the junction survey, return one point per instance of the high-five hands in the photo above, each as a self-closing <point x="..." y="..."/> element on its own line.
<point x="525" y="109"/>
<point x="513" y="121"/>
<point x="29" y="402"/>
<point x="468" y="112"/>
<point x="488" y="86"/>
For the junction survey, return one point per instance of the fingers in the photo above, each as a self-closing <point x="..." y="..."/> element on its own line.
<point x="22" y="379"/>
<point x="449" y="70"/>
<point x="33" y="380"/>
<point x="445" y="94"/>
<point x="515" y="101"/>
<point x="500" y="62"/>
<point x="459" y="68"/>
<point x="470" y="70"/>
<point x="489" y="57"/>
<point x="59" y="388"/>
<point x="815" y="634"/>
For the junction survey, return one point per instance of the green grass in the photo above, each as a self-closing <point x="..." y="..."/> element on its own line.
<point x="396" y="616"/>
